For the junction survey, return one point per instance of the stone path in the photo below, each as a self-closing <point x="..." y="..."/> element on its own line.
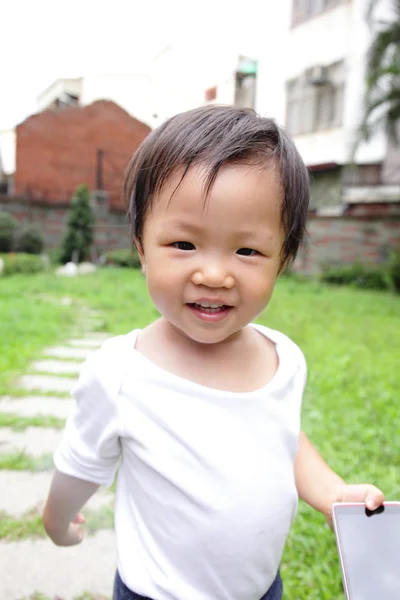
<point x="34" y="565"/>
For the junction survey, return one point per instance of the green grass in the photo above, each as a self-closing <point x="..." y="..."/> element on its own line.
<point x="28" y="323"/>
<point x="350" y="340"/>
<point x="20" y="461"/>
<point x="52" y="374"/>
<point x="30" y="525"/>
<point x="18" y="423"/>
<point x="16" y="392"/>
<point x="12" y="530"/>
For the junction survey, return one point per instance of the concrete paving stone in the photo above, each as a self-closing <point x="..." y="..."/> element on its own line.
<point x="34" y="441"/>
<point x="57" y="367"/>
<point x="37" y="405"/>
<point x="68" y="352"/>
<point x="87" y="342"/>
<point x="45" y="383"/>
<point x="98" y="335"/>
<point x="22" y="491"/>
<point x="40" y="566"/>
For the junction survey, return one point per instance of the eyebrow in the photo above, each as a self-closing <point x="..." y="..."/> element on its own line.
<point x="183" y="225"/>
<point x="196" y="229"/>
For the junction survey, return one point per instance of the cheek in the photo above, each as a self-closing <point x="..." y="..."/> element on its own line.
<point x="260" y="285"/>
<point x="163" y="283"/>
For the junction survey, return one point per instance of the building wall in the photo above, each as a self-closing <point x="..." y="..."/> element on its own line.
<point x="340" y="33"/>
<point x="57" y="89"/>
<point x="365" y="234"/>
<point x="326" y="189"/>
<point x="111" y="229"/>
<point x="7" y="151"/>
<point x="57" y="150"/>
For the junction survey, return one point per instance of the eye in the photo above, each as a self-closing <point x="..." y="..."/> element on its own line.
<point x="247" y="252"/>
<point x="184" y="246"/>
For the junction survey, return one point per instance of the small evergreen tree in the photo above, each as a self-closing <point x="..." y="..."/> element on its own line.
<point x="80" y="227"/>
<point x="8" y="226"/>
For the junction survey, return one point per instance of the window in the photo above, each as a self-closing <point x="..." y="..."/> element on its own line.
<point x="315" y="99"/>
<point x="306" y="9"/>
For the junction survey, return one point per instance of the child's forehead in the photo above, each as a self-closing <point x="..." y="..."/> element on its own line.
<point x="242" y="199"/>
<point x="236" y="179"/>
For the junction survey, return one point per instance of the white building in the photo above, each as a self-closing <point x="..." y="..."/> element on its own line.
<point x="314" y="85"/>
<point x="133" y="92"/>
<point x="305" y="67"/>
<point x="7" y="160"/>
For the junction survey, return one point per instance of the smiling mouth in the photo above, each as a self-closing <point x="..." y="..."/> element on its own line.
<point x="209" y="308"/>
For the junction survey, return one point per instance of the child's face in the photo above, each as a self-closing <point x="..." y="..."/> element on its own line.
<point x="225" y="252"/>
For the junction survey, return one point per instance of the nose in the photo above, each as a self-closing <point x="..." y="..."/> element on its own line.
<point x="213" y="274"/>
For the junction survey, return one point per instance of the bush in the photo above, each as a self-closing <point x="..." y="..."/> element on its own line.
<point x="371" y="277"/>
<point x="8" y="225"/>
<point x="22" y="263"/>
<point x="29" y="239"/>
<point x="394" y="270"/>
<point x="80" y="228"/>
<point x="55" y="256"/>
<point x="123" y="258"/>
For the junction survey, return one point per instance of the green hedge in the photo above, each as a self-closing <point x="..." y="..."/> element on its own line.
<point x="8" y="227"/>
<point x="29" y="240"/>
<point x="22" y="263"/>
<point x="123" y="258"/>
<point x="372" y="277"/>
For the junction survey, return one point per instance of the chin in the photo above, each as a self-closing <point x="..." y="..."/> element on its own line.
<point x="209" y="337"/>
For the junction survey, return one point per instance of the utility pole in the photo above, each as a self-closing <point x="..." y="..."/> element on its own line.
<point x="99" y="168"/>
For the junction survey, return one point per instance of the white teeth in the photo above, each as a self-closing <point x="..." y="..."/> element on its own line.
<point x="207" y="305"/>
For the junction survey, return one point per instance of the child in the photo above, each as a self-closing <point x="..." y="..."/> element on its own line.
<point x="202" y="406"/>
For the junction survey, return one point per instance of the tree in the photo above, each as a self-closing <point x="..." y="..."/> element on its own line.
<point x="80" y="227"/>
<point x="382" y="95"/>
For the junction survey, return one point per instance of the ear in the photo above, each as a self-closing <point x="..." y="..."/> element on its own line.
<point x="139" y="247"/>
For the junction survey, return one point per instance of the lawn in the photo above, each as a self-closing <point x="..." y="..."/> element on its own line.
<point x="351" y="342"/>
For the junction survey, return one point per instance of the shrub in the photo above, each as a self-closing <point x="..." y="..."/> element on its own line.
<point x="80" y="228"/>
<point x="372" y="277"/>
<point x="8" y="225"/>
<point x="55" y="255"/>
<point x="394" y="270"/>
<point x="29" y="239"/>
<point x="22" y="263"/>
<point x="123" y="258"/>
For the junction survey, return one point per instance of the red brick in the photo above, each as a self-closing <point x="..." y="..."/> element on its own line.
<point x="56" y="150"/>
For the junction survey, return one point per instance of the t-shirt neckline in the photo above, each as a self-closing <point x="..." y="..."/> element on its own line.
<point x="188" y="383"/>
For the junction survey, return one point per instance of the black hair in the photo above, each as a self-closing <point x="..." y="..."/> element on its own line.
<point x="212" y="136"/>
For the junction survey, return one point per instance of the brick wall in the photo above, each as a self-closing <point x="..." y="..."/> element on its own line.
<point x="57" y="150"/>
<point x="111" y="229"/>
<point x="364" y="233"/>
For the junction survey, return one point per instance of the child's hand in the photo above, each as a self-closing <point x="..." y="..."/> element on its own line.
<point x="71" y="536"/>
<point x="76" y="533"/>
<point x="364" y="492"/>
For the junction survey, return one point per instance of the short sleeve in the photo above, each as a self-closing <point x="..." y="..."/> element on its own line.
<point x="90" y="447"/>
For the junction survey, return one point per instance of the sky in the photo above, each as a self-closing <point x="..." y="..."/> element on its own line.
<point x="43" y="40"/>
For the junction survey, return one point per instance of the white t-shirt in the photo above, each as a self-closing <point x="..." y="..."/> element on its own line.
<point x="206" y="491"/>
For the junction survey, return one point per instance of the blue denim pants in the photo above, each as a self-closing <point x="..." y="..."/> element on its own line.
<point x="121" y="592"/>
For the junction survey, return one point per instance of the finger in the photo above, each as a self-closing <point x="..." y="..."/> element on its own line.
<point x="79" y="519"/>
<point x="76" y="535"/>
<point x="373" y="497"/>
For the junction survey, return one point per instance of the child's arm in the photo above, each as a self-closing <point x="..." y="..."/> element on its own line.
<point x="320" y="487"/>
<point x="61" y="516"/>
